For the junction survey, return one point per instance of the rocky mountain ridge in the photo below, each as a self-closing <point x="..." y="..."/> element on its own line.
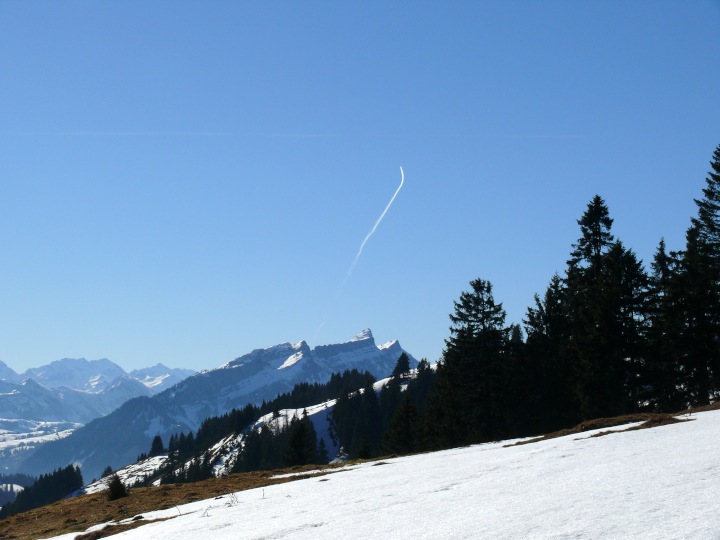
<point x="118" y="438"/>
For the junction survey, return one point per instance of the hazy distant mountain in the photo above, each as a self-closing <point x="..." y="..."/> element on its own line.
<point x="77" y="373"/>
<point x="78" y="390"/>
<point x="64" y="395"/>
<point x="159" y="377"/>
<point x="118" y="438"/>
<point x="30" y="400"/>
<point x="7" y="374"/>
<point x="96" y="375"/>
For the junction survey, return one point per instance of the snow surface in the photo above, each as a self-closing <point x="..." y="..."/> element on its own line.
<point x="653" y="483"/>
<point x="130" y="474"/>
<point x="18" y="438"/>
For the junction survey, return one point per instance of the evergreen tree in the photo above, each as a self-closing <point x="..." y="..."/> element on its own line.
<point x="302" y="442"/>
<point x="471" y="395"/>
<point x="420" y="388"/>
<point x="700" y="286"/>
<point x="551" y="395"/>
<point x="157" y="447"/>
<point x="606" y="288"/>
<point x="322" y="453"/>
<point x="402" y="435"/>
<point x="402" y="367"/>
<point x="664" y="376"/>
<point x="116" y="488"/>
<point x="46" y="489"/>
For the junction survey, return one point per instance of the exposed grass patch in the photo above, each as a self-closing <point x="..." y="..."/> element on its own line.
<point x="109" y="530"/>
<point x="653" y="422"/>
<point x="589" y="425"/>
<point x="649" y="420"/>
<point x="80" y="513"/>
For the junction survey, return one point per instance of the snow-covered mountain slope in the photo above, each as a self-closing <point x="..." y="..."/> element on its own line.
<point x="31" y="400"/>
<point x="160" y="377"/>
<point x="657" y="483"/>
<point x="223" y="454"/>
<point x="68" y="392"/>
<point x="118" y="438"/>
<point x="129" y="475"/>
<point x="19" y="438"/>
<point x="95" y="375"/>
<point x="8" y="374"/>
<point x="77" y="373"/>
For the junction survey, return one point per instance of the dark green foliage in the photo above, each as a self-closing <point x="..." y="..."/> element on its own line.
<point x="663" y="379"/>
<point x="116" y="488"/>
<point x="322" y="453"/>
<point x="358" y="418"/>
<point x="157" y="447"/>
<point x="548" y="386"/>
<point x="402" y="367"/>
<point x="46" y="489"/>
<point x="6" y="494"/>
<point x="261" y="451"/>
<point x="107" y="471"/>
<point x="402" y="436"/>
<point x="606" y="289"/>
<point x="699" y="284"/>
<point x="301" y="446"/>
<point x="473" y="385"/>
<point x="18" y="479"/>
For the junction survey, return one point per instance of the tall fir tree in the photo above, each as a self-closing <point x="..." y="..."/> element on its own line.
<point x="551" y="396"/>
<point x="402" y="436"/>
<point x="665" y="376"/>
<point x="469" y="404"/>
<point x="606" y="287"/>
<point x="700" y="286"/>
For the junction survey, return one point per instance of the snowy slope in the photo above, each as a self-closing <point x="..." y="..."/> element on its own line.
<point x="18" y="438"/>
<point x="658" y="483"/>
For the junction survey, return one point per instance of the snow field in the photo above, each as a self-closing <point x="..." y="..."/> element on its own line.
<point x="655" y="483"/>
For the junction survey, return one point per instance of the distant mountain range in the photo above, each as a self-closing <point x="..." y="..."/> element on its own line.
<point x="49" y="402"/>
<point x="119" y="437"/>
<point x="78" y="390"/>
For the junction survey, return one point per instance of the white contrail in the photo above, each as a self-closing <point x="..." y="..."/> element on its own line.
<point x="362" y="246"/>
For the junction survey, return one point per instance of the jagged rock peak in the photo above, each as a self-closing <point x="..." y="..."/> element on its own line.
<point x="365" y="335"/>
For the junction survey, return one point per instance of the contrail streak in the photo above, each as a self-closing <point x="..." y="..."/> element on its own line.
<point x="372" y="231"/>
<point x="362" y="246"/>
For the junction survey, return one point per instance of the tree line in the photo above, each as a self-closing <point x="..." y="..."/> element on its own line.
<point x="47" y="489"/>
<point x="189" y="459"/>
<point x="608" y="337"/>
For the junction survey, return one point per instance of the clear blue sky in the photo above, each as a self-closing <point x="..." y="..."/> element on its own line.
<point x="182" y="182"/>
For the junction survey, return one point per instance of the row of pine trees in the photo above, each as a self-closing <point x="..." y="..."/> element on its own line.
<point x="46" y="489"/>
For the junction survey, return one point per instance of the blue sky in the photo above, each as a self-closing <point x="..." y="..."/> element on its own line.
<point x="182" y="182"/>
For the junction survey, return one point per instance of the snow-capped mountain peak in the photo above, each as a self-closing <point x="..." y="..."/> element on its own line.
<point x="363" y="336"/>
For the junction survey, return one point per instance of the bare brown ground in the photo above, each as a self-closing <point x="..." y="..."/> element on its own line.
<point x="649" y="420"/>
<point x="80" y="513"/>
